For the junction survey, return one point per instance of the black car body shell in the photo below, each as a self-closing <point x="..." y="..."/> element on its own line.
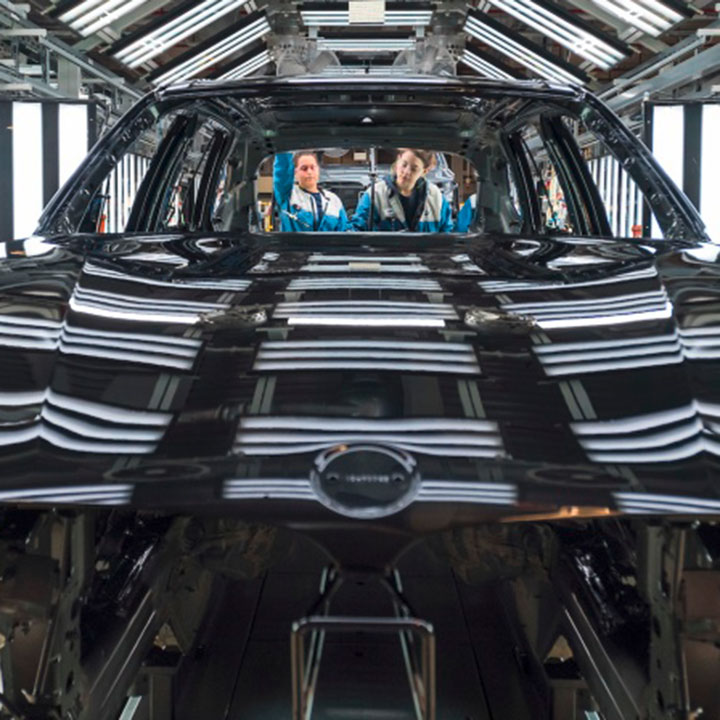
<point x="207" y="373"/>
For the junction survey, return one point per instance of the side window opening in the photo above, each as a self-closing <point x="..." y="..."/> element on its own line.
<point x="569" y="182"/>
<point x="544" y="185"/>
<point x="174" y="182"/>
<point x="621" y="191"/>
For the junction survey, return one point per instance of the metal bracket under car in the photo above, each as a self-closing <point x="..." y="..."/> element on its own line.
<point x="305" y="663"/>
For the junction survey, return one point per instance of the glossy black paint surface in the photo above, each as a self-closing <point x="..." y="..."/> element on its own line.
<point x="207" y="374"/>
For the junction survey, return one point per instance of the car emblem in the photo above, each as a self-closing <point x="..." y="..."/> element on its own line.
<point x="365" y="481"/>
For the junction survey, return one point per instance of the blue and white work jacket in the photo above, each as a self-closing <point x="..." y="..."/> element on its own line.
<point x="466" y="214"/>
<point x="297" y="208"/>
<point x="389" y="214"/>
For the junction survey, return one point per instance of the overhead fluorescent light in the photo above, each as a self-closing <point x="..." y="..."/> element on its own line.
<point x="649" y="16"/>
<point x="518" y="49"/>
<point x="92" y="15"/>
<point x="175" y="30"/>
<point x="341" y="18"/>
<point x="247" y="67"/>
<point x="377" y="44"/>
<point x="195" y="62"/>
<point x="365" y="70"/>
<point x="556" y="24"/>
<point x="484" y="67"/>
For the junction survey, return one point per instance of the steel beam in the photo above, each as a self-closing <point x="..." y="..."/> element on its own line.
<point x="36" y="86"/>
<point x="694" y="68"/>
<point x="63" y="50"/>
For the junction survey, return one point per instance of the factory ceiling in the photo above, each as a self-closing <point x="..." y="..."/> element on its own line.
<point x="610" y="46"/>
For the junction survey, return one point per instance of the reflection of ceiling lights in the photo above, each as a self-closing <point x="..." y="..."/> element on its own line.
<point x="93" y="15"/>
<point x="663" y="436"/>
<point x="365" y="44"/>
<point x="430" y="491"/>
<point x="222" y="284"/>
<point x="575" y="358"/>
<point x="247" y="67"/>
<point x="285" y="435"/>
<point x="114" y="494"/>
<point x="630" y="308"/>
<point x="505" y="286"/>
<point x="321" y="263"/>
<point x="649" y="16"/>
<point x="649" y="504"/>
<point x="334" y="18"/>
<point x="195" y="62"/>
<point x="83" y="425"/>
<point x="278" y="488"/>
<point x="467" y="492"/>
<point x="366" y="313"/>
<point x="173" y="30"/>
<point x="399" y="355"/>
<point x="131" y="308"/>
<point x="483" y="67"/>
<point x="520" y="50"/>
<point x="364" y="283"/>
<point x="560" y="27"/>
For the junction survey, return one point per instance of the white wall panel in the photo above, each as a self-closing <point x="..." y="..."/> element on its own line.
<point x="709" y="170"/>
<point x="27" y="167"/>
<point x="668" y="133"/>
<point x="72" y="138"/>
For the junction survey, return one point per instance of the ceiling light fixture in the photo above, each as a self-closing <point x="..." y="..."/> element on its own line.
<point x="378" y="44"/>
<point x="247" y="67"/>
<point x="92" y="15"/>
<point x="173" y="30"/>
<point x="341" y="18"/>
<point x="649" y="16"/>
<point x="561" y="27"/>
<point x="211" y="53"/>
<point x="484" y="67"/>
<point x="517" y="48"/>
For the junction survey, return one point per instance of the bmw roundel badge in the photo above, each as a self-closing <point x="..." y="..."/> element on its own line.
<point x="365" y="481"/>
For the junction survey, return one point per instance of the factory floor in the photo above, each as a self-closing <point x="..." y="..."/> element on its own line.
<point x="242" y="671"/>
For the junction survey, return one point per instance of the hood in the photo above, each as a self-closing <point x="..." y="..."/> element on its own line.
<point x="303" y="379"/>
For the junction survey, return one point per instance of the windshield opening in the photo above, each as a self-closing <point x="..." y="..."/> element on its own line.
<point x="536" y="170"/>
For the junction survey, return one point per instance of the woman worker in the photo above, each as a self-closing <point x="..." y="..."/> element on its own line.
<point x="405" y="200"/>
<point x="302" y="204"/>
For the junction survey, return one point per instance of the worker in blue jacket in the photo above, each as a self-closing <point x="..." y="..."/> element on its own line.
<point x="405" y="200"/>
<point x="302" y="204"/>
<point x="466" y="214"/>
